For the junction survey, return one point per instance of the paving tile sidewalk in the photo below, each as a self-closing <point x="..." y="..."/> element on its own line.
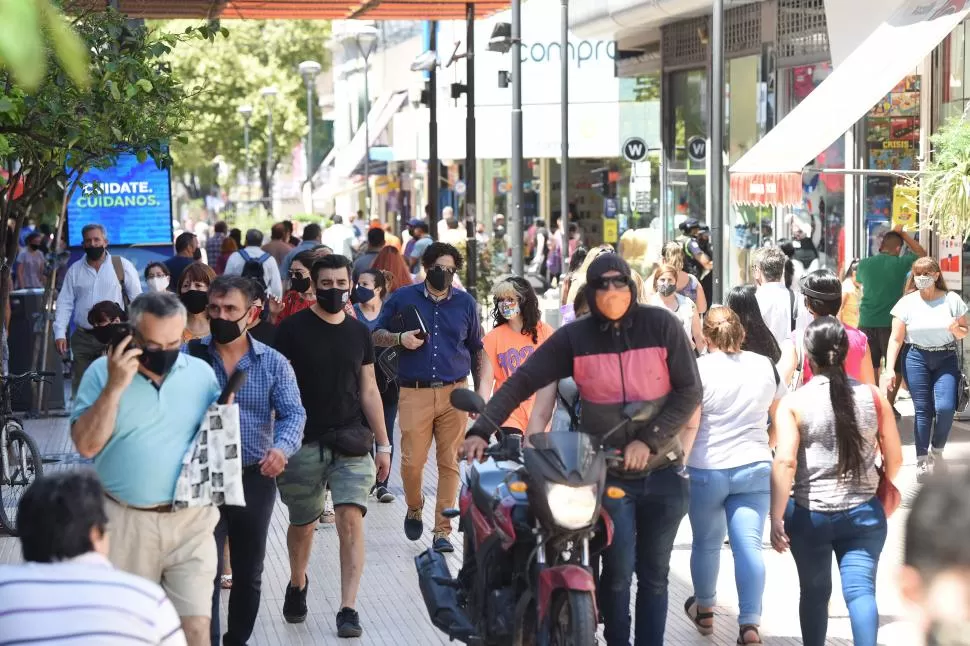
<point x="392" y="611"/>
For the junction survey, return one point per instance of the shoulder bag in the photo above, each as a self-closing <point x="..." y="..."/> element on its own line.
<point x="887" y="492"/>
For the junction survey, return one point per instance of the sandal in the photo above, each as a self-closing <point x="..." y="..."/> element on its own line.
<point x="226" y="581"/>
<point x="747" y="630"/>
<point x="697" y="617"/>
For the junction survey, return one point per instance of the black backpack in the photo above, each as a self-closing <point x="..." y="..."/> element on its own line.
<point x="253" y="268"/>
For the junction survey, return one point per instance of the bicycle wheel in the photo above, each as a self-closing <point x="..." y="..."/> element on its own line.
<point x="22" y="465"/>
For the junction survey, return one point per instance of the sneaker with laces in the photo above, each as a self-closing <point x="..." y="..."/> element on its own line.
<point x="294" y="603"/>
<point x="937" y="463"/>
<point x="383" y="495"/>
<point x="442" y="544"/>
<point x="922" y="470"/>
<point x="348" y="623"/>
<point x="413" y="522"/>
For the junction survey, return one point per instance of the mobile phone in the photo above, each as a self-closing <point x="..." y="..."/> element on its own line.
<point x="119" y="332"/>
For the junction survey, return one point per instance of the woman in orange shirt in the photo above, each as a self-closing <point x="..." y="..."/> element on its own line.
<point x="518" y="331"/>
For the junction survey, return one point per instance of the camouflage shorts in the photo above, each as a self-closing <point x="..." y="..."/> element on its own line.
<point x="303" y="484"/>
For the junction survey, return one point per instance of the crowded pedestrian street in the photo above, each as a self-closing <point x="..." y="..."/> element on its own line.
<point x="390" y="601"/>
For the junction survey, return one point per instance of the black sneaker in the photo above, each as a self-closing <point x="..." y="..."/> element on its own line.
<point x="441" y="544"/>
<point x="383" y="495"/>
<point x="294" y="603"/>
<point x="413" y="523"/>
<point x="348" y="623"/>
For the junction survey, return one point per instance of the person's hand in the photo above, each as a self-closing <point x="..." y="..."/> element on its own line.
<point x="956" y="328"/>
<point x="890" y="379"/>
<point x="636" y="455"/>
<point x="411" y="341"/>
<point x="473" y="449"/>
<point x="272" y="463"/>
<point x="898" y="228"/>
<point x="61" y="345"/>
<point x="275" y="306"/>
<point x="122" y="364"/>
<point x="383" y="463"/>
<point x="779" y="539"/>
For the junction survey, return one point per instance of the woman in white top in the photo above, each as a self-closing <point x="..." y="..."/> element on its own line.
<point x="730" y="472"/>
<point x="665" y="288"/>
<point x="932" y="320"/>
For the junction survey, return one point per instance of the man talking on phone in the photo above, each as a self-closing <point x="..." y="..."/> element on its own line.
<point x="136" y="413"/>
<point x="436" y="360"/>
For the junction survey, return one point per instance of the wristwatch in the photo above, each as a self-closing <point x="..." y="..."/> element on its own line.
<point x="383" y="448"/>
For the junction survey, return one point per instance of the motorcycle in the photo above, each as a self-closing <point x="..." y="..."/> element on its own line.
<point x="531" y="521"/>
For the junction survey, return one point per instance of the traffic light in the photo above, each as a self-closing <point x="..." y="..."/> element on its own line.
<point x="604" y="181"/>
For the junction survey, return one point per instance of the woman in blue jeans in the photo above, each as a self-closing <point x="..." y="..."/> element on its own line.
<point x="730" y="472"/>
<point x="824" y="481"/>
<point x="931" y="320"/>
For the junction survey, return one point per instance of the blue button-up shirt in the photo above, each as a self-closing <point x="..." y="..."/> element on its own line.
<point x="454" y="333"/>
<point x="270" y="387"/>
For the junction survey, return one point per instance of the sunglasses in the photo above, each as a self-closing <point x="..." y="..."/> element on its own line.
<point x="616" y="281"/>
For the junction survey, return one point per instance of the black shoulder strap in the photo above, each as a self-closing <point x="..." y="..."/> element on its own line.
<point x="199" y="350"/>
<point x="794" y="316"/>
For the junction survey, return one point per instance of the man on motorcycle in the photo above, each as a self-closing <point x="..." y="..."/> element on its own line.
<point x="623" y="354"/>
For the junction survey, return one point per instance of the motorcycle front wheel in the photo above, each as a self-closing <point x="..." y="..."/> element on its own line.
<point x="572" y="619"/>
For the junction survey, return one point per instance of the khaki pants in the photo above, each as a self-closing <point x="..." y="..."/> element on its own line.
<point x="85" y="349"/>
<point x="426" y="414"/>
<point x="176" y="550"/>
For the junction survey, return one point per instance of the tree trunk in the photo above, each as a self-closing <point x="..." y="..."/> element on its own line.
<point x="264" y="184"/>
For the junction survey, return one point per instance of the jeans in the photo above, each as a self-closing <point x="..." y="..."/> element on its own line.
<point x="647" y="519"/>
<point x="246" y="528"/>
<point x="733" y="502"/>
<point x="933" y="378"/>
<point x="856" y="536"/>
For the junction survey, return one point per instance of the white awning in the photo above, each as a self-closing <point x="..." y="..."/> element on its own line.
<point x="379" y="117"/>
<point x="870" y="72"/>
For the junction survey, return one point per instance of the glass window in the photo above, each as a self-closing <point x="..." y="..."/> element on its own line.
<point x="686" y="178"/>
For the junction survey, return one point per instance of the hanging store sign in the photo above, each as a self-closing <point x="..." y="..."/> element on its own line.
<point x="951" y="263"/>
<point x="697" y="149"/>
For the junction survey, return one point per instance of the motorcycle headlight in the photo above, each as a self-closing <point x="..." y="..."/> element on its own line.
<point x="572" y="507"/>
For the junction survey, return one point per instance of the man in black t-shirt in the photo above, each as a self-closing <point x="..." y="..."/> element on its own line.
<point x="333" y="358"/>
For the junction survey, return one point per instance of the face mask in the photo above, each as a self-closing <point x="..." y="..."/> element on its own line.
<point x="195" y="301"/>
<point x="225" y="331"/>
<point x="197" y="255"/>
<point x="110" y="333"/>
<point x="300" y="284"/>
<point x="509" y="311"/>
<point x="34" y="247"/>
<point x="438" y="278"/>
<point x="332" y="300"/>
<point x="364" y="294"/>
<point x="159" y="361"/>
<point x="159" y="283"/>
<point x="923" y="282"/>
<point x="94" y="253"/>
<point x="666" y="289"/>
<point x="613" y="304"/>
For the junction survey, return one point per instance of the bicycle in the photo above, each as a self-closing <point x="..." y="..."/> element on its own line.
<point x="20" y="459"/>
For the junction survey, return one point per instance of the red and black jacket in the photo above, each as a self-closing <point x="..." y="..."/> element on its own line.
<point x="645" y="358"/>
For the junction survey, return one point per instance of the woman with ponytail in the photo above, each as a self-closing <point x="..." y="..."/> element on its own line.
<point x="824" y="481"/>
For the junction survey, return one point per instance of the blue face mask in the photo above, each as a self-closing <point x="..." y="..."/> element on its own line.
<point x="363" y="294"/>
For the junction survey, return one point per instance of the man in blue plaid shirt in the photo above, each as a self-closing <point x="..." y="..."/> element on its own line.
<point x="267" y="443"/>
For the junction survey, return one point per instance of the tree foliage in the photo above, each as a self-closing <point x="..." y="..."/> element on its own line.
<point x="232" y="73"/>
<point x="944" y="180"/>
<point x="27" y="27"/>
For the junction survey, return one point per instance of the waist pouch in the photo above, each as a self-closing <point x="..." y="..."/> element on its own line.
<point x="354" y="440"/>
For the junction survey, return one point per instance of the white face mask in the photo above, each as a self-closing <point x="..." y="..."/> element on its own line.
<point x="923" y="282"/>
<point x="159" y="283"/>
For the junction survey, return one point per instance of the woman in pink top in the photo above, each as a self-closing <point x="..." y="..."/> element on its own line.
<point x="823" y="297"/>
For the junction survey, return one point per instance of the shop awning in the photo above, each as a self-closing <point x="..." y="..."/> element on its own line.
<point x="378" y="119"/>
<point x="766" y="189"/>
<point x="867" y="75"/>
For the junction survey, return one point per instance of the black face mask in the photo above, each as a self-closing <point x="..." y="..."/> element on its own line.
<point x="195" y="300"/>
<point x="300" y="284"/>
<point x="225" y="331"/>
<point x="112" y="333"/>
<point x="159" y="361"/>
<point x="198" y="254"/>
<point x="94" y="253"/>
<point x="34" y="247"/>
<point x="439" y="279"/>
<point x="332" y="300"/>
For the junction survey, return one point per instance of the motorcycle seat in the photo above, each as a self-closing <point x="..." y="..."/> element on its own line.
<point x="486" y="478"/>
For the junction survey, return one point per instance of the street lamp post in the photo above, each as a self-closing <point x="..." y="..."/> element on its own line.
<point x="309" y="71"/>
<point x="269" y="95"/>
<point x="564" y="132"/>
<point x="515" y="221"/>
<point x="247" y="111"/>
<point x="366" y="39"/>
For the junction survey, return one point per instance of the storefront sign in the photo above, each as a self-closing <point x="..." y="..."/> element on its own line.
<point x="905" y="207"/>
<point x="635" y="149"/>
<point x="611" y="231"/>
<point x="609" y="208"/>
<point x="460" y="187"/>
<point x="951" y="262"/>
<point x="697" y="149"/>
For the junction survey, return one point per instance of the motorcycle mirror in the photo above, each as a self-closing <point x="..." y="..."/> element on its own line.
<point x="467" y="400"/>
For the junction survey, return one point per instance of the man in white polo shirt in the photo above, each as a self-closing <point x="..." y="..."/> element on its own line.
<point x="67" y="592"/>
<point x="137" y="412"/>
<point x="779" y="305"/>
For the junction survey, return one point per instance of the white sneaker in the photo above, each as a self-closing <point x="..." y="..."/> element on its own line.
<point x="922" y="469"/>
<point x="937" y="463"/>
